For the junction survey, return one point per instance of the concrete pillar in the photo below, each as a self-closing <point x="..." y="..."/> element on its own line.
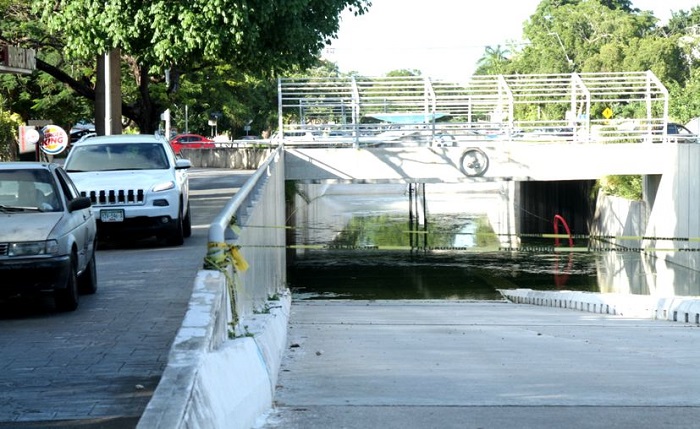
<point x="650" y="186"/>
<point x="114" y="92"/>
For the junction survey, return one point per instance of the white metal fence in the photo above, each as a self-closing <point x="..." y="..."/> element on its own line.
<point x="585" y="107"/>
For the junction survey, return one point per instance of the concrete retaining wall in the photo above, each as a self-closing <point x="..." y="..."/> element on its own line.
<point x="676" y="211"/>
<point x="673" y="218"/>
<point x="620" y="217"/>
<point x="248" y="158"/>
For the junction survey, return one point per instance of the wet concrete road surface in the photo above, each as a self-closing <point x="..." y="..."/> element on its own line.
<point x="488" y="364"/>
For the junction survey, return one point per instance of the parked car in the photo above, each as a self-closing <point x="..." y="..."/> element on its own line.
<point x="136" y="184"/>
<point x="80" y="133"/>
<point x="191" y="141"/>
<point x="546" y="134"/>
<point x="47" y="234"/>
<point x="678" y="133"/>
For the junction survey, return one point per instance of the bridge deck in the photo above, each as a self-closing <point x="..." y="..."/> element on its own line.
<point x="507" y="161"/>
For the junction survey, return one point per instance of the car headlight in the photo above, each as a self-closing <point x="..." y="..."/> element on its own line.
<point x="164" y="186"/>
<point x="33" y="248"/>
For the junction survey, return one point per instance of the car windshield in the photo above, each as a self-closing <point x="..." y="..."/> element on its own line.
<point x="117" y="156"/>
<point x="27" y="190"/>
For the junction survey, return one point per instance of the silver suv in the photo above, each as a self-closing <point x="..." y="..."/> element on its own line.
<point x="136" y="184"/>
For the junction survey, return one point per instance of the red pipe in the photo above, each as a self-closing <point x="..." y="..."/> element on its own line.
<point x="556" y="230"/>
<point x="560" y="279"/>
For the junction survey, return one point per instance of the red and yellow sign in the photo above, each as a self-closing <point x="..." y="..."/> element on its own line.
<point x="55" y="140"/>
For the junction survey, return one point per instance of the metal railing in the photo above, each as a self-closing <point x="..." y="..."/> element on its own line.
<point x="247" y="228"/>
<point x="360" y="111"/>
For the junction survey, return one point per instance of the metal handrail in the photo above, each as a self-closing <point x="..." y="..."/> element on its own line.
<point x="220" y="230"/>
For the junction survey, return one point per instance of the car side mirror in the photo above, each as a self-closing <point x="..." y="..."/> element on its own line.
<point x="79" y="204"/>
<point x="182" y="163"/>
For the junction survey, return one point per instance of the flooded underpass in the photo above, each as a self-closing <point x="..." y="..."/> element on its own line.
<point x="399" y="322"/>
<point x="384" y="242"/>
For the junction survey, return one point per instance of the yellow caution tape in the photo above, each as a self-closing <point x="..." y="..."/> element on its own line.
<point x="219" y="254"/>
<point x="238" y="261"/>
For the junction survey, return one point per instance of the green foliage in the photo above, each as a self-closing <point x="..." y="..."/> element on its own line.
<point x="662" y="55"/>
<point x="165" y="34"/>
<point x="494" y="61"/>
<point x="41" y="95"/>
<point x="388" y="231"/>
<point x="9" y="126"/>
<point x="686" y="105"/>
<point x="594" y="36"/>
<point x="403" y="73"/>
<point x="223" y="54"/>
<point x="191" y="39"/>
<point x="629" y="187"/>
<point x="239" y="97"/>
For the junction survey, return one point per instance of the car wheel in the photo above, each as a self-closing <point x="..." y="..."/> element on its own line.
<point x="66" y="299"/>
<point x="187" y="223"/>
<point x="177" y="235"/>
<point x="87" y="282"/>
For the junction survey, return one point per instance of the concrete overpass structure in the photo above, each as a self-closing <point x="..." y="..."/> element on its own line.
<point x="223" y="368"/>
<point x="224" y="364"/>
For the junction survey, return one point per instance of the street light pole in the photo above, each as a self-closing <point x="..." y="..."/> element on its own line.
<point x="568" y="60"/>
<point x="108" y="94"/>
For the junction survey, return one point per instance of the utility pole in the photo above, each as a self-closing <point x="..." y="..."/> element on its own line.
<point x="108" y="96"/>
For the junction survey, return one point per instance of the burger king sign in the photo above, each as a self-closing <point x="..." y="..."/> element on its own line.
<point x="55" y="140"/>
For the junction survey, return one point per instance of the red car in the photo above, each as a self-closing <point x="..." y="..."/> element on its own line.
<point x="190" y="141"/>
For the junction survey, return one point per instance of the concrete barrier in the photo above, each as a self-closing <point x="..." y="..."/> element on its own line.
<point x="211" y="380"/>
<point x="224" y="361"/>
<point x="245" y="158"/>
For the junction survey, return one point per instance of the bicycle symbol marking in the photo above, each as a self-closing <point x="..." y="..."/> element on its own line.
<point x="474" y="162"/>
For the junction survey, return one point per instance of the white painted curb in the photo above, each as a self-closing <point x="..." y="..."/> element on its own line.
<point x="675" y="309"/>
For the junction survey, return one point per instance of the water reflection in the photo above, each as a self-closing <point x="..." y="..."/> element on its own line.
<point x="642" y="274"/>
<point x="374" y="244"/>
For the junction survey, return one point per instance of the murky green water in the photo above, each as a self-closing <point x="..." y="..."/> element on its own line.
<point x="375" y="274"/>
<point x="378" y="246"/>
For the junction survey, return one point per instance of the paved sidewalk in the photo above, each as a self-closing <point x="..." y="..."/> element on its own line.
<point x="97" y="367"/>
<point x="459" y="364"/>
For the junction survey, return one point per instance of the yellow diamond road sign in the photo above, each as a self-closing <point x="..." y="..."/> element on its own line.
<point x="607" y="113"/>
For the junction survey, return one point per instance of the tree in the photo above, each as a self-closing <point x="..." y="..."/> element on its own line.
<point x="183" y="37"/>
<point x="494" y="61"/>
<point x="566" y="35"/>
<point x="40" y="96"/>
<point x="404" y="73"/>
<point x="9" y="124"/>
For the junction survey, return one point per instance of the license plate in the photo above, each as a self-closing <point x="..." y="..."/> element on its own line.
<point x="112" y="215"/>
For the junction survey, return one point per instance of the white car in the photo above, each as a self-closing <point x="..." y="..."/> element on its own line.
<point x="47" y="234"/>
<point x="136" y="184"/>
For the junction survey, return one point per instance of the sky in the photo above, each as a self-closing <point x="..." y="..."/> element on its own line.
<point x="443" y="39"/>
